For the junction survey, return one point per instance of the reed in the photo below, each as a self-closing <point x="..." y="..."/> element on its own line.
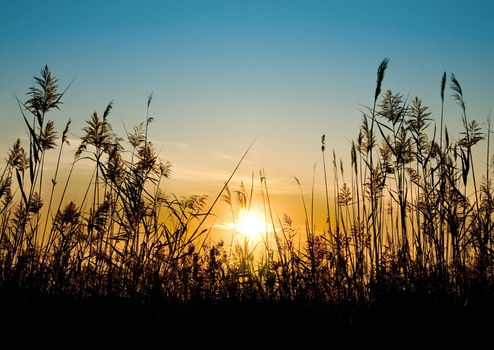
<point x="409" y="217"/>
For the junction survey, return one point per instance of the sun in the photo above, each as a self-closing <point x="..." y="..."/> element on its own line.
<point x="250" y="225"/>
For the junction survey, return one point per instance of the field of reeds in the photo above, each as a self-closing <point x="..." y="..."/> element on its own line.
<point x="409" y="228"/>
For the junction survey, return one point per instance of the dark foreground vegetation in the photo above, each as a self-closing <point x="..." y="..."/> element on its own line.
<point x="438" y="317"/>
<point x="408" y="242"/>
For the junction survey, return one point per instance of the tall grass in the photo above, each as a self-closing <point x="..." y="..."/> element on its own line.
<point x="406" y="220"/>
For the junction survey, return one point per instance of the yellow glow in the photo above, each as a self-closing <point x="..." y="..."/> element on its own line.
<point x="250" y="225"/>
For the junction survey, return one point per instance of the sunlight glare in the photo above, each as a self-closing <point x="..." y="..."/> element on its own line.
<point x="250" y="225"/>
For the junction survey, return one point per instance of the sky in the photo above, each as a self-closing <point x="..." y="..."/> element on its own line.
<point x="224" y="73"/>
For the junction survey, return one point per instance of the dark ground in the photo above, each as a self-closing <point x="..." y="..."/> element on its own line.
<point x="24" y="309"/>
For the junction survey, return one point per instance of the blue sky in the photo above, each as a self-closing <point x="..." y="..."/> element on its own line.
<point x="225" y="72"/>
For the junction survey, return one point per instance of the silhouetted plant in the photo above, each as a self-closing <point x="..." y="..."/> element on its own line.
<point x="404" y="219"/>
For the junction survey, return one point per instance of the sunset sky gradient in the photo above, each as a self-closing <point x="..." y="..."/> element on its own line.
<point x="225" y="72"/>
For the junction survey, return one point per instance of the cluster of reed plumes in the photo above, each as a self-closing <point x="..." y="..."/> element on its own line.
<point x="413" y="219"/>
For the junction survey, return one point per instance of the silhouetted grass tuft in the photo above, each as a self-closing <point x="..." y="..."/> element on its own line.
<point x="407" y="228"/>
